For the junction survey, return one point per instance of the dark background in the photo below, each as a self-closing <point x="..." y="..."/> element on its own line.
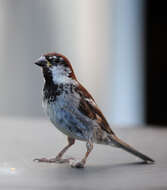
<point x="156" y="63"/>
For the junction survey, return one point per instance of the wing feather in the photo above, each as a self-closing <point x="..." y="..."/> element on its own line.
<point x="89" y="108"/>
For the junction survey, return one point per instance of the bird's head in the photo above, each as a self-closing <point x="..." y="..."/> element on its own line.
<point x="56" y="68"/>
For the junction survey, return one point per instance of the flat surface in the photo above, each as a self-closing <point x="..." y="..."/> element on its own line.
<point x="107" y="168"/>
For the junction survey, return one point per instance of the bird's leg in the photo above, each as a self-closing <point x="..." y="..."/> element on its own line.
<point x="58" y="158"/>
<point x="81" y="164"/>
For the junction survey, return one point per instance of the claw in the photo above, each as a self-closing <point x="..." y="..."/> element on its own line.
<point x="77" y="164"/>
<point x="43" y="160"/>
<point x="54" y="160"/>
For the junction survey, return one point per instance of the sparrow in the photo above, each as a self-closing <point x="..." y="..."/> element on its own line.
<point x="73" y="111"/>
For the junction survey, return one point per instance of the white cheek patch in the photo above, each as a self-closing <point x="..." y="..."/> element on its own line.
<point x="61" y="74"/>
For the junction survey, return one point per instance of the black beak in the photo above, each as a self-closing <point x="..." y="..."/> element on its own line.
<point x="41" y="61"/>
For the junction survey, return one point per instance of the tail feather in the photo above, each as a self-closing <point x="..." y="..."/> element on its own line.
<point x="121" y="144"/>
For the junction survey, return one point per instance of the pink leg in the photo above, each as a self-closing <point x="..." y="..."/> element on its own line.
<point x="82" y="163"/>
<point x="58" y="158"/>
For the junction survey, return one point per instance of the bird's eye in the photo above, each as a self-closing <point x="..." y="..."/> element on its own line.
<point x="50" y="58"/>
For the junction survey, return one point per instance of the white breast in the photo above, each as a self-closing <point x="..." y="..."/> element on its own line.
<point x="59" y="116"/>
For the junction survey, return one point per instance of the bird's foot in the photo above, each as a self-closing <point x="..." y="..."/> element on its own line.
<point x="54" y="160"/>
<point x="77" y="164"/>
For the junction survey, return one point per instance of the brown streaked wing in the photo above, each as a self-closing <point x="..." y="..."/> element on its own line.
<point x="89" y="108"/>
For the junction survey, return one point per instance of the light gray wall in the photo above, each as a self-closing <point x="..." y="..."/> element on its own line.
<point x="101" y="38"/>
<point x="127" y="57"/>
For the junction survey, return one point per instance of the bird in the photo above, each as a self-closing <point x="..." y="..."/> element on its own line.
<point x="73" y="111"/>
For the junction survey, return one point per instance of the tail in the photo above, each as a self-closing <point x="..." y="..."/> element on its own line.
<point x="120" y="144"/>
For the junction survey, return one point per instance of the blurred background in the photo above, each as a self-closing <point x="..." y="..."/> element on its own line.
<point x="116" y="47"/>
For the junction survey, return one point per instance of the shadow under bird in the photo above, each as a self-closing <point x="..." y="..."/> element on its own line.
<point x="74" y="112"/>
